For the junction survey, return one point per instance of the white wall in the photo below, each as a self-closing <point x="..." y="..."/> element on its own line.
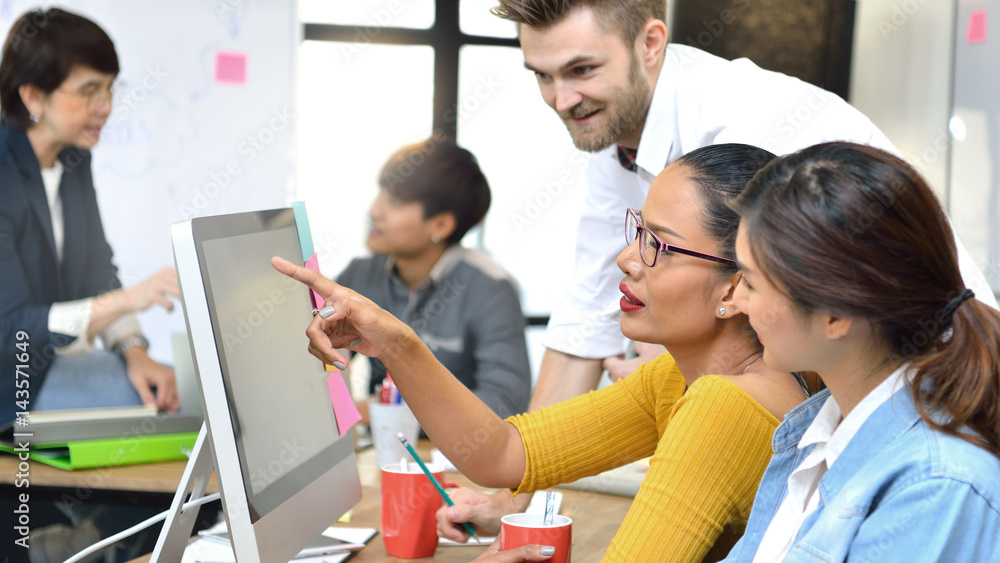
<point x="180" y="143"/>
<point x="901" y="77"/>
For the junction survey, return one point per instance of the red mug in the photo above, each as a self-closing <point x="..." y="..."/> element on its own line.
<point x="529" y="529"/>
<point x="409" y="504"/>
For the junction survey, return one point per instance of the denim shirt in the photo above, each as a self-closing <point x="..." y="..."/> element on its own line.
<point x="900" y="491"/>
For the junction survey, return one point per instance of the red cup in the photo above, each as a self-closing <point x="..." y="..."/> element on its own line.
<point x="529" y="529"/>
<point x="409" y="504"/>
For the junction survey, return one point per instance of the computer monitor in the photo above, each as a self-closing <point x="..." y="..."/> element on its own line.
<point x="285" y="472"/>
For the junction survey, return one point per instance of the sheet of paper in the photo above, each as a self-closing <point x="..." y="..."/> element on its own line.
<point x="484" y="541"/>
<point x="343" y="406"/>
<point x="205" y="551"/>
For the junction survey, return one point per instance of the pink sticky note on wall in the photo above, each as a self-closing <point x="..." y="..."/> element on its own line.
<point x="230" y="68"/>
<point x="976" y="32"/>
<point x="313" y="264"/>
<point x="343" y="406"/>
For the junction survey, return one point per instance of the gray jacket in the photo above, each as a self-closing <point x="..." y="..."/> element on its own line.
<point x="467" y="313"/>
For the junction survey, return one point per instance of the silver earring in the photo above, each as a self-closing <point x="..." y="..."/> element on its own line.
<point x="435" y="239"/>
<point x="33" y="117"/>
<point x="722" y="311"/>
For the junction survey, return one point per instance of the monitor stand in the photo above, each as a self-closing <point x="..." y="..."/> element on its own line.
<point x="176" y="532"/>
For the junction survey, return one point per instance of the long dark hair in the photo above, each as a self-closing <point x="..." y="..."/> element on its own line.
<point x="721" y="172"/>
<point x="41" y="49"/>
<point x="853" y="231"/>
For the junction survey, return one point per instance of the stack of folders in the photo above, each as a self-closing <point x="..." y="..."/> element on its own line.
<point x="85" y="438"/>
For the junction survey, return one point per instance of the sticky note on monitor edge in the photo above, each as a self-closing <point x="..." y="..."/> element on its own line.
<point x="343" y="406"/>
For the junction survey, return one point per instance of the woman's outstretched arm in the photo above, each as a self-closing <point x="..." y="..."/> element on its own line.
<point x="483" y="447"/>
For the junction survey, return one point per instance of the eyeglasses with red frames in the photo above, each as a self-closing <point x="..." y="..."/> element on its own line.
<point x="650" y="245"/>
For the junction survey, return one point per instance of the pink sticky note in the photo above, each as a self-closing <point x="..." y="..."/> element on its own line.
<point x="230" y="68"/>
<point x="313" y="264"/>
<point x="343" y="406"/>
<point x="976" y="32"/>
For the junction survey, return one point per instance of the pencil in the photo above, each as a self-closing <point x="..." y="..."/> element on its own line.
<point x="427" y="472"/>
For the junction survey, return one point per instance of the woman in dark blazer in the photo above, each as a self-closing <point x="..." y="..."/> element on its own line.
<point x="59" y="289"/>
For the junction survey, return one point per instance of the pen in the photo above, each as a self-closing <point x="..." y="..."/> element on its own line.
<point x="427" y="472"/>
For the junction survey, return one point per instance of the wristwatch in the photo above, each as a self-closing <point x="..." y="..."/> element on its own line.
<point x="131" y="342"/>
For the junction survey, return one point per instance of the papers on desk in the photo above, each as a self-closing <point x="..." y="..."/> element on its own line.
<point x="204" y="550"/>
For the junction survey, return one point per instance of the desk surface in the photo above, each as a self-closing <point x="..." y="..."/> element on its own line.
<point x="596" y="517"/>
<point x="148" y="478"/>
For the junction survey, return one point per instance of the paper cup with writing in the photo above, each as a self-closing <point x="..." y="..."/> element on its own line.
<point x="529" y="529"/>
<point x="409" y="502"/>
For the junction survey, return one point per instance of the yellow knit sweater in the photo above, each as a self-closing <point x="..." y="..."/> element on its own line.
<point x="709" y="447"/>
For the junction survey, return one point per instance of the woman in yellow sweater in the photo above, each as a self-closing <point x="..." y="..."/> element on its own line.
<point x="708" y="435"/>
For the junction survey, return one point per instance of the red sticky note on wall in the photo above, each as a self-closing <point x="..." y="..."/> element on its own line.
<point x="230" y="68"/>
<point x="343" y="406"/>
<point x="976" y="32"/>
<point x="313" y="264"/>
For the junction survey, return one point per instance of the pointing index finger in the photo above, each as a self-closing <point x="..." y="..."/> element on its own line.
<point x="312" y="279"/>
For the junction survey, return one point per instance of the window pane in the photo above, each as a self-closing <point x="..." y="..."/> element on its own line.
<point x="474" y="18"/>
<point x="416" y="14"/>
<point x="537" y="177"/>
<point x="353" y="115"/>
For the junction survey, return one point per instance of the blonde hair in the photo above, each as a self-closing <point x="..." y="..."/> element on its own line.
<point x="627" y="17"/>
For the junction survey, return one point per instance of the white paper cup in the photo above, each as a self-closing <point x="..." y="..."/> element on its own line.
<point x="386" y="422"/>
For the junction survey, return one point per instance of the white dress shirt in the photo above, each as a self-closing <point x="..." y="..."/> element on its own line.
<point x="72" y="318"/>
<point x="830" y="435"/>
<point x="699" y="100"/>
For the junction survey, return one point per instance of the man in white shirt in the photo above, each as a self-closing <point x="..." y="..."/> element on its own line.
<point x="638" y="104"/>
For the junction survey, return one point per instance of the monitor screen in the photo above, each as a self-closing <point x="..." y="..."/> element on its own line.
<point x="264" y="395"/>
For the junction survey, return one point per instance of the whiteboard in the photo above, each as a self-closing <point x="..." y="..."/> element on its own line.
<point x="204" y="123"/>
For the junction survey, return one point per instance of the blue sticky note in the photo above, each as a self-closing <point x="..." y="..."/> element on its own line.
<point x="302" y="226"/>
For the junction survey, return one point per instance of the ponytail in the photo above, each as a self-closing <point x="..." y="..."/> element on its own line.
<point x="854" y="231"/>
<point x="964" y="378"/>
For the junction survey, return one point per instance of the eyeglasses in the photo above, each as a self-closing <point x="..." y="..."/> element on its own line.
<point x="95" y="98"/>
<point x="650" y="245"/>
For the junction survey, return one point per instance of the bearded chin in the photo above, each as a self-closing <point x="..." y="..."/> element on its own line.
<point x="625" y="115"/>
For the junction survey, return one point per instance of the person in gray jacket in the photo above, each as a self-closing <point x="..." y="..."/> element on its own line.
<point x="462" y="304"/>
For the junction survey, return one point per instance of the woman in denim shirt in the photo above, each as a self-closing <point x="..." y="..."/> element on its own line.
<point x="849" y="271"/>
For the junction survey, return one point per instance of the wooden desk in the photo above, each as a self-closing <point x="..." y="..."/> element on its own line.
<point x="145" y="478"/>
<point x="596" y="517"/>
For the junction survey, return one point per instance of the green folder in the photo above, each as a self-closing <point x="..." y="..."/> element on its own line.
<point x="127" y="450"/>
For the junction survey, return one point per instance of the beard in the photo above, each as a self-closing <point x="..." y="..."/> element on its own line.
<point x="625" y="114"/>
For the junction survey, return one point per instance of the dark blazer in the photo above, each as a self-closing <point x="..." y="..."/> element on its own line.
<point x="31" y="279"/>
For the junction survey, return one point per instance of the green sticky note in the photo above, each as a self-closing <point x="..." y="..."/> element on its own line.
<point x="302" y="226"/>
